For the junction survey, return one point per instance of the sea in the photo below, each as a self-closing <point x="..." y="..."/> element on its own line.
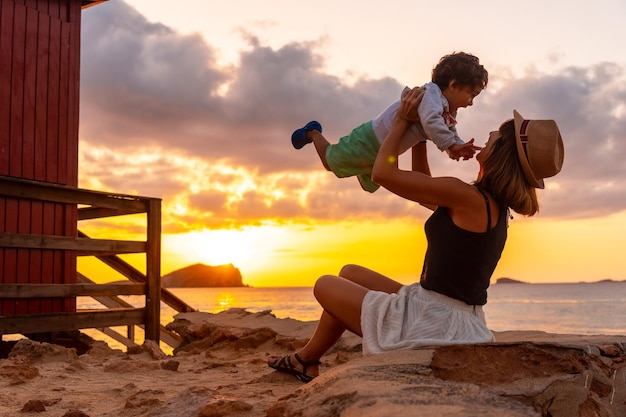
<point x="576" y="308"/>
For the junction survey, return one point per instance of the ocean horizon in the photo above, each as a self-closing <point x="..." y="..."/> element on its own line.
<point x="597" y="308"/>
<point x="580" y="308"/>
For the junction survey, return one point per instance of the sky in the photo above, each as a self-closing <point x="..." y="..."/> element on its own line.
<point x="194" y="102"/>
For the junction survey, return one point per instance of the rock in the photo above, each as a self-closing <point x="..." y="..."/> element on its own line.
<point x="33" y="406"/>
<point x="205" y="335"/>
<point x="170" y="365"/>
<point x="38" y="352"/>
<point x="18" y="374"/>
<point x="150" y="347"/>
<point x="498" y="379"/>
<point x="145" y="398"/>
<point x="224" y="407"/>
<point x="200" y="275"/>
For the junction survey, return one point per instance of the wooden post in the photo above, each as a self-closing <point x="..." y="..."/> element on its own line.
<point x="153" y="271"/>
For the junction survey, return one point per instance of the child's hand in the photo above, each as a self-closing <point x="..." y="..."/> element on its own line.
<point x="465" y="151"/>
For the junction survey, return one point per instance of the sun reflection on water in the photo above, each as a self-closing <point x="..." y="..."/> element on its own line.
<point x="226" y="299"/>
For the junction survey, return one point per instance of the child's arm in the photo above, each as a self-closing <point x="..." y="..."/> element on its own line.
<point x="465" y="151"/>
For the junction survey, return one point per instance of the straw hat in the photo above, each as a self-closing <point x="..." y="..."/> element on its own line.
<point x="539" y="147"/>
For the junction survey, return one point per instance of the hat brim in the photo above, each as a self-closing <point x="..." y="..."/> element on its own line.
<point x="521" y="153"/>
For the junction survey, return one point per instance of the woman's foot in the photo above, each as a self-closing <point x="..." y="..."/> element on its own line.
<point x="299" y="137"/>
<point x="305" y="371"/>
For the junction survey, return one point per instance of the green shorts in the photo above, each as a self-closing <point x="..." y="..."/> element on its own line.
<point x="354" y="155"/>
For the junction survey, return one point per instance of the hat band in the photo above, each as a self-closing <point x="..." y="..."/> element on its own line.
<point x="523" y="136"/>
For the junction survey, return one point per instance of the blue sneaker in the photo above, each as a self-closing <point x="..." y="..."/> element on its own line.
<point x="298" y="137"/>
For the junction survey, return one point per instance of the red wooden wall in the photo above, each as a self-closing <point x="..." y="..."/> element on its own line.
<point x="39" y="101"/>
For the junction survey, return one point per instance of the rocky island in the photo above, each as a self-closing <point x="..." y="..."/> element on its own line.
<point x="200" y="275"/>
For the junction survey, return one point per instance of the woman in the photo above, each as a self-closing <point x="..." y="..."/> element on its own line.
<point x="466" y="235"/>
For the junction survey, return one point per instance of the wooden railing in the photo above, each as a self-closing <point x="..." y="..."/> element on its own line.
<point x="93" y="205"/>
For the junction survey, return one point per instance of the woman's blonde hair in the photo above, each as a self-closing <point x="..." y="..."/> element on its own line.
<point x="502" y="175"/>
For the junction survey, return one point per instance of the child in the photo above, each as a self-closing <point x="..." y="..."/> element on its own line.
<point x="456" y="80"/>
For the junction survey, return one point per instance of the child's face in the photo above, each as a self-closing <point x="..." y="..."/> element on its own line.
<point x="458" y="96"/>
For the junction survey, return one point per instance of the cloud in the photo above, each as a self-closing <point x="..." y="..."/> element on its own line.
<point x="161" y="117"/>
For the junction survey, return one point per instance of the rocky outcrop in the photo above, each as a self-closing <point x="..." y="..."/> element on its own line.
<point x="200" y="275"/>
<point x="524" y="374"/>
<point x="500" y="379"/>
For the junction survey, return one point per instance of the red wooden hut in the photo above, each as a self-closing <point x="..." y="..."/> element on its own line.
<point x="40" y="204"/>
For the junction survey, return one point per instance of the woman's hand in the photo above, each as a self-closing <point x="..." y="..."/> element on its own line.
<point x="411" y="99"/>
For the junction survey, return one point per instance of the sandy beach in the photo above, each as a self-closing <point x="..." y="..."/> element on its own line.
<point x="221" y="371"/>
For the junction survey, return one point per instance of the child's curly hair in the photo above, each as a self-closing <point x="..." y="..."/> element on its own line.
<point x="464" y="68"/>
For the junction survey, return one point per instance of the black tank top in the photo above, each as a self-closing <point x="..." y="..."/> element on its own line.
<point x="459" y="263"/>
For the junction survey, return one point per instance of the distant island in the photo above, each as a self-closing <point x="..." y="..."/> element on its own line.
<point x="514" y="281"/>
<point x="200" y="275"/>
<point x="509" y="281"/>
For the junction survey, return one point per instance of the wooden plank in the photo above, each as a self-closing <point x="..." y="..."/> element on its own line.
<point x="23" y="255"/>
<point x="35" y="263"/>
<point x="58" y="263"/>
<point x="54" y="68"/>
<point x="6" y="50"/>
<point x="64" y="11"/>
<point x="47" y="257"/>
<point x="81" y="245"/>
<point x="89" y="3"/>
<point x="54" y="8"/>
<point x="153" y="271"/>
<point x="16" y="187"/>
<point x="74" y="31"/>
<point x="9" y="274"/>
<point x="84" y="319"/>
<point x="43" y="6"/>
<point x="17" y="91"/>
<point x="70" y="290"/>
<point x="30" y="83"/>
<point x="88" y="213"/>
<point x="108" y="301"/>
<point x="2" y="216"/>
<point x="122" y="267"/>
<point x="41" y="97"/>
<point x="68" y="137"/>
<point x="32" y="4"/>
<point x="6" y="47"/>
<point x="118" y="337"/>
<point x="167" y="336"/>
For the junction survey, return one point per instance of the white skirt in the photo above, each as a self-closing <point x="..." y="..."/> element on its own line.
<point x="416" y="317"/>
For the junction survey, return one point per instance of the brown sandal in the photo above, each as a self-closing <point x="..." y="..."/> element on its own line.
<point x="284" y="365"/>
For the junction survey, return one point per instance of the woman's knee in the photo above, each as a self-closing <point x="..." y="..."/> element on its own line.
<point x="350" y="271"/>
<point x="323" y="284"/>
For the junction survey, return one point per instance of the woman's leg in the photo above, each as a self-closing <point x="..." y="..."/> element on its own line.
<point x="370" y="279"/>
<point x="341" y="300"/>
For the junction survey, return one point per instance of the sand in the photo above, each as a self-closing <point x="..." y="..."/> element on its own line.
<point x="222" y="371"/>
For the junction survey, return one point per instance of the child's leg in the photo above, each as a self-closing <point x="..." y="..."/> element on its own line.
<point x="311" y="132"/>
<point x="321" y="144"/>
